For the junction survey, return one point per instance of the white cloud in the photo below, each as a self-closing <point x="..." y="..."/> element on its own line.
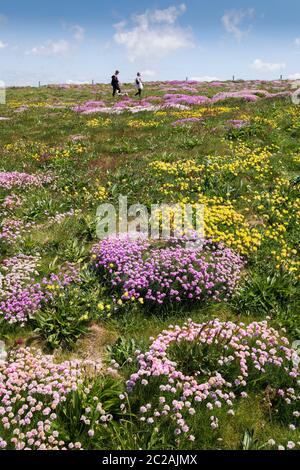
<point x="148" y="73"/>
<point x="169" y="15"/>
<point x="79" y="32"/>
<point x="295" y="76"/>
<point x="3" y="19"/>
<point x="206" y="78"/>
<point x="153" y="34"/>
<point x="76" y="29"/>
<point x="297" y="41"/>
<point x="51" y="48"/>
<point x="259" y="64"/>
<point x="232" y="22"/>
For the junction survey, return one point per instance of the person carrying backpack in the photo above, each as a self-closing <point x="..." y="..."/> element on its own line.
<point x="139" y="84"/>
<point x="115" y="83"/>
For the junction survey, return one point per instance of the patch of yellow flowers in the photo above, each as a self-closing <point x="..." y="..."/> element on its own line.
<point x="98" y="122"/>
<point x="14" y="104"/>
<point x="126" y="296"/>
<point x="296" y="158"/>
<point x="104" y="308"/>
<point x="184" y="168"/>
<point x="265" y="121"/>
<point x="185" y="175"/>
<point x="243" y="159"/>
<point x="198" y="113"/>
<point x="280" y="212"/>
<point x="140" y="124"/>
<point x="276" y="210"/>
<point x="68" y="151"/>
<point x="101" y="193"/>
<point x="34" y="150"/>
<point x="285" y="257"/>
<point x="259" y="120"/>
<point x="293" y="114"/>
<point x="29" y="150"/>
<point x="222" y="223"/>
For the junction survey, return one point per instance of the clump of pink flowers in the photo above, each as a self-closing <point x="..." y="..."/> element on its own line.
<point x="9" y="180"/>
<point x="247" y="95"/>
<point x="238" y="123"/>
<point x="89" y="107"/>
<point x="173" y="98"/>
<point x="11" y="230"/>
<point x="21" y="295"/>
<point x="11" y="202"/>
<point x="33" y="391"/>
<point x="176" y="272"/>
<point x="213" y="366"/>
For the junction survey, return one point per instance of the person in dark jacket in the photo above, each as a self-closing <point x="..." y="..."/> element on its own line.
<point x="115" y="83"/>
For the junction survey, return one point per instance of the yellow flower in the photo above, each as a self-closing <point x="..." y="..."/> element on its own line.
<point x="84" y="317"/>
<point x="101" y="193"/>
<point x="140" y="124"/>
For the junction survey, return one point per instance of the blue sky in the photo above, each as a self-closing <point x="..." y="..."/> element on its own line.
<point x="77" y="41"/>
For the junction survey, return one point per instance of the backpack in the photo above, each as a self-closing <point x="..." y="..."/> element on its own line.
<point x="137" y="81"/>
<point x="113" y="80"/>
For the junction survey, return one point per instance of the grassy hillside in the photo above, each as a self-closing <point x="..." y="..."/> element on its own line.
<point x="233" y="147"/>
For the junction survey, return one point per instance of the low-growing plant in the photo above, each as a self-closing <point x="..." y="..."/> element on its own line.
<point x="63" y="320"/>
<point x="66" y="405"/>
<point x="170" y="273"/>
<point x="205" y="371"/>
<point x="122" y="351"/>
<point x="273" y="294"/>
<point x="81" y="413"/>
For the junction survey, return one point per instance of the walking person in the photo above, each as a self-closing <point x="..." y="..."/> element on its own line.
<point x="139" y="85"/>
<point x="115" y="83"/>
